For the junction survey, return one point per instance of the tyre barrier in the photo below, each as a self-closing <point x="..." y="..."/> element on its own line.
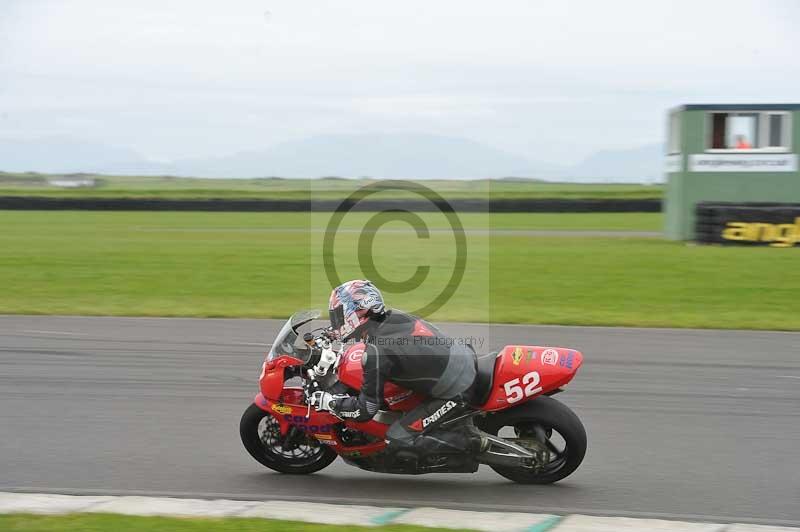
<point x="306" y="205"/>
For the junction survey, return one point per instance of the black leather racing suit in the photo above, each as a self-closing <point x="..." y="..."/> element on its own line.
<point x="414" y="354"/>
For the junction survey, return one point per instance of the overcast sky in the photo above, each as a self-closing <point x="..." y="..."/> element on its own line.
<point x="553" y="81"/>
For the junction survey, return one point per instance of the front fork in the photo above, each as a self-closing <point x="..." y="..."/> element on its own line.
<point x="294" y="437"/>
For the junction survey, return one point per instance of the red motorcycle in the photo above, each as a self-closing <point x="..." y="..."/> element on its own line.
<point x="533" y="438"/>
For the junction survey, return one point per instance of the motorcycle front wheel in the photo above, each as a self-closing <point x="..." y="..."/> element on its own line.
<point x="295" y="453"/>
<point x="546" y="427"/>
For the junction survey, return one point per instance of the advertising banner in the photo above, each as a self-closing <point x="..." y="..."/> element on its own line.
<point x="774" y="224"/>
<point x="743" y="162"/>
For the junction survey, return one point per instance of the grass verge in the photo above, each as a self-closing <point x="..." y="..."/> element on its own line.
<point x="118" y="523"/>
<point x="267" y="265"/>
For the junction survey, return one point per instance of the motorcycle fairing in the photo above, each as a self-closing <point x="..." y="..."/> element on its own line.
<point x="289" y="412"/>
<point x="273" y="376"/>
<point x="522" y="372"/>
<point x="351" y="374"/>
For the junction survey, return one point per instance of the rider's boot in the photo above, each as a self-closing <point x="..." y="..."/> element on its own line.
<point x="467" y="439"/>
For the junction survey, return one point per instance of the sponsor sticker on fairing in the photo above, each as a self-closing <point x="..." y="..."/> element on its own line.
<point x="355" y="355"/>
<point x="550" y="357"/>
<point x="393" y="400"/>
<point x="516" y="356"/>
<point x="301" y="422"/>
<point x="281" y="409"/>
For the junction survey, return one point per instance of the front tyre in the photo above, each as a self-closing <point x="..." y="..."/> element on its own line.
<point x="295" y="453"/>
<point x="549" y="429"/>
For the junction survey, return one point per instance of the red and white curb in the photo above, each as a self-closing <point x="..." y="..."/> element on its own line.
<point x="340" y="514"/>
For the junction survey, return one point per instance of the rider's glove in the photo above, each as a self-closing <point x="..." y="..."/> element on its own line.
<point x="323" y="400"/>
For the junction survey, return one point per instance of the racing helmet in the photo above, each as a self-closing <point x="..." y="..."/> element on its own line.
<point x="351" y="306"/>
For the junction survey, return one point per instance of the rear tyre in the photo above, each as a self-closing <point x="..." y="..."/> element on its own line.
<point x="535" y="425"/>
<point x="260" y="433"/>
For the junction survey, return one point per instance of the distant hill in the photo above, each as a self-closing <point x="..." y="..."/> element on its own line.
<point x="68" y="155"/>
<point x="382" y="155"/>
<point x="645" y="163"/>
<point x="375" y="155"/>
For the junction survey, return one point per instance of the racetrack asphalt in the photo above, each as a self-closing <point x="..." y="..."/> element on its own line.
<point x="700" y="425"/>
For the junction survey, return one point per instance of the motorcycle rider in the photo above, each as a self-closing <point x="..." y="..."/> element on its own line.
<point x="411" y="353"/>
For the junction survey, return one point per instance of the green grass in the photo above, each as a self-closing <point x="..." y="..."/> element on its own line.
<point x="21" y="184"/>
<point x="118" y="523"/>
<point x="268" y="265"/>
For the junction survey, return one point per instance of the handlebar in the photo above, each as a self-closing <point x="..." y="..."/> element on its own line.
<point x="328" y="359"/>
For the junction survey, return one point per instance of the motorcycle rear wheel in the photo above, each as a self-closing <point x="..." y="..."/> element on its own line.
<point x="261" y="437"/>
<point x="535" y="422"/>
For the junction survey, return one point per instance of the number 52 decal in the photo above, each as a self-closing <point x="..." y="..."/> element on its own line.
<point x="514" y="390"/>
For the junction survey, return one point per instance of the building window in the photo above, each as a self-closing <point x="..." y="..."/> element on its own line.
<point x="777" y="130"/>
<point x="749" y="131"/>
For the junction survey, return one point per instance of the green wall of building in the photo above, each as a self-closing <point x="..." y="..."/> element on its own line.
<point x="685" y="189"/>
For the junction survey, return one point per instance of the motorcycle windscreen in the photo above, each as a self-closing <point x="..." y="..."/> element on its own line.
<point x="285" y="341"/>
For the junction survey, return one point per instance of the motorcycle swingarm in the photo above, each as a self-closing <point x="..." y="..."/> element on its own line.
<point x="506" y="454"/>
